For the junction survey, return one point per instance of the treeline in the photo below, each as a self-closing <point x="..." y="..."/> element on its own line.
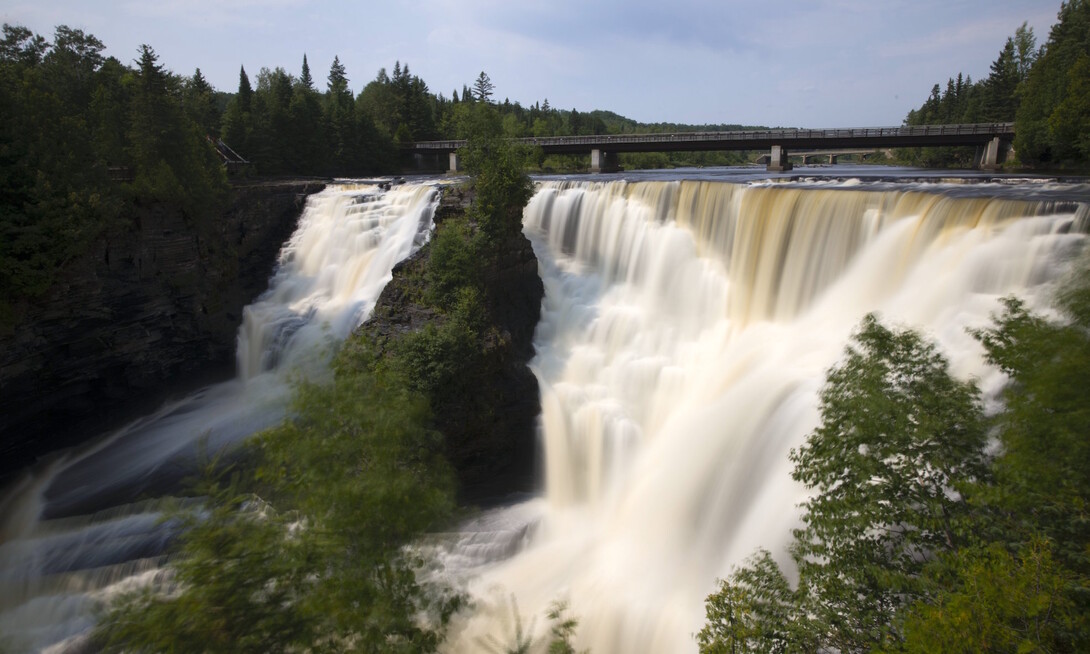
<point x="87" y="138"/>
<point x="1045" y="91"/>
<point x="931" y="526"/>
<point x="84" y="140"/>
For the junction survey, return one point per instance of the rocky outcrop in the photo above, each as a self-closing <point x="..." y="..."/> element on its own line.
<point x="490" y="421"/>
<point x="154" y="305"/>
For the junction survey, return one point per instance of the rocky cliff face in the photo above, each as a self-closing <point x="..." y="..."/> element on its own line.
<point x="151" y="306"/>
<point x="490" y="422"/>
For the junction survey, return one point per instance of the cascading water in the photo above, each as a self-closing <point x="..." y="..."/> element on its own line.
<point x="685" y="333"/>
<point x="71" y="538"/>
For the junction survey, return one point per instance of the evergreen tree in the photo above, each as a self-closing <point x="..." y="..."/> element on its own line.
<point x="337" y="82"/>
<point x="1001" y="86"/>
<point x="1048" y="130"/>
<point x="306" y="137"/>
<point x="245" y="91"/>
<point x="200" y="104"/>
<point x="340" y="119"/>
<point x="483" y="88"/>
<point x="304" y="76"/>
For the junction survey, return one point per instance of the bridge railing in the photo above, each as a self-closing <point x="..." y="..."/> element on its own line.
<point x="1005" y="130"/>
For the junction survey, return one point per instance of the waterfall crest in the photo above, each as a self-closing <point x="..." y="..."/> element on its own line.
<point x="685" y="333"/>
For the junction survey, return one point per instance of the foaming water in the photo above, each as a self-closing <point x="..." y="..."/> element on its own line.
<point x="71" y="538"/>
<point x="685" y="333"/>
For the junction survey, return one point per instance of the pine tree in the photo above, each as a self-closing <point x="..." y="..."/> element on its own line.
<point x="245" y="91"/>
<point x="483" y="88"/>
<point x="1000" y="100"/>
<point x="338" y="80"/>
<point x="200" y="103"/>
<point x="304" y="77"/>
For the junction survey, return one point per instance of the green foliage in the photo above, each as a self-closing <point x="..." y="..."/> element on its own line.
<point x="993" y="99"/>
<point x="55" y="194"/>
<point x="898" y="440"/>
<point x="756" y="611"/>
<point x="432" y="360"/>
<point x="1044" y="469"/>
<point x="501" y="188"/>
<point x="237" y="584"/>
<point x="453" y="260"/>
<point x="520" y="640"/>
<point x="996" y="601"/>
<point x="562" y="629"/>
<point x="307" y="554"/>
<point x="1054" y="108"/>
<point x="1043" y="90"/>
<point x="898" y="436"/>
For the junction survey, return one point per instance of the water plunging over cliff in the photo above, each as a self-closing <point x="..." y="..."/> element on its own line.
<point x="685" y="333"/>
<point x="70" y="536"/>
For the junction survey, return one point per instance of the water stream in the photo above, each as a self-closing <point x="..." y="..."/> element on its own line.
<point x="73" y="534"/>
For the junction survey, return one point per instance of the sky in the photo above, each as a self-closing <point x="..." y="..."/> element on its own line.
<point x="812" y="63"/>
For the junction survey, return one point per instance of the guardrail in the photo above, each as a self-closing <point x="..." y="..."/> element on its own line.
<point x="757" y="137"/>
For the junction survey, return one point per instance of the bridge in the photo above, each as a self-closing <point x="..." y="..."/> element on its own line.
<point x="604" y="148"/>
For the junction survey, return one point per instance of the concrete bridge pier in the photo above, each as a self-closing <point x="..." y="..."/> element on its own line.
<point x="778" y="160"/>
<point x="603" y="162"/>
<point x="453" y="163"/>
<point x="990" y="159"/>
<point x="832" y="159"/>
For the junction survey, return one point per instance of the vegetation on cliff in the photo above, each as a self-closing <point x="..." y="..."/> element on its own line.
<point x="1045" y="91"/>
<point x="477" y="292"/>
<point x="919" y="537"/>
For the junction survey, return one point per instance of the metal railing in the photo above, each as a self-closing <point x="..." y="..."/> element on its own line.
<point x="1002" y="130"/>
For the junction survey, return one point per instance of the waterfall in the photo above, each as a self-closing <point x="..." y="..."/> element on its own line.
<point x="71" y="537"/>
<point x="685" y="333"/>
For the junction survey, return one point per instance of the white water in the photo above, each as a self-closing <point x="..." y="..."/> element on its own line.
<point x="685" y="333"/>
<point x="55" y="572"/>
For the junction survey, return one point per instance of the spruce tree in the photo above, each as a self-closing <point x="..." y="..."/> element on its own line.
<point x="483" y="88"/>
<point x="304" y="77"/>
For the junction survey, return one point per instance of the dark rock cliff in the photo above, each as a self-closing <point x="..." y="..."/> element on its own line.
<point x="152" y="306"/>
<point x="490" y="422"/>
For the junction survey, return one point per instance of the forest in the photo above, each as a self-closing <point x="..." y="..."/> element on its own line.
<point x="1044" y="90"/>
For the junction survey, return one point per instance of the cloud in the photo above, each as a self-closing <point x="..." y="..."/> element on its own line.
<point x="218" y="13"/>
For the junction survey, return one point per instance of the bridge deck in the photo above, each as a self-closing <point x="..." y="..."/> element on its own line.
<point x="863" y="137"/>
